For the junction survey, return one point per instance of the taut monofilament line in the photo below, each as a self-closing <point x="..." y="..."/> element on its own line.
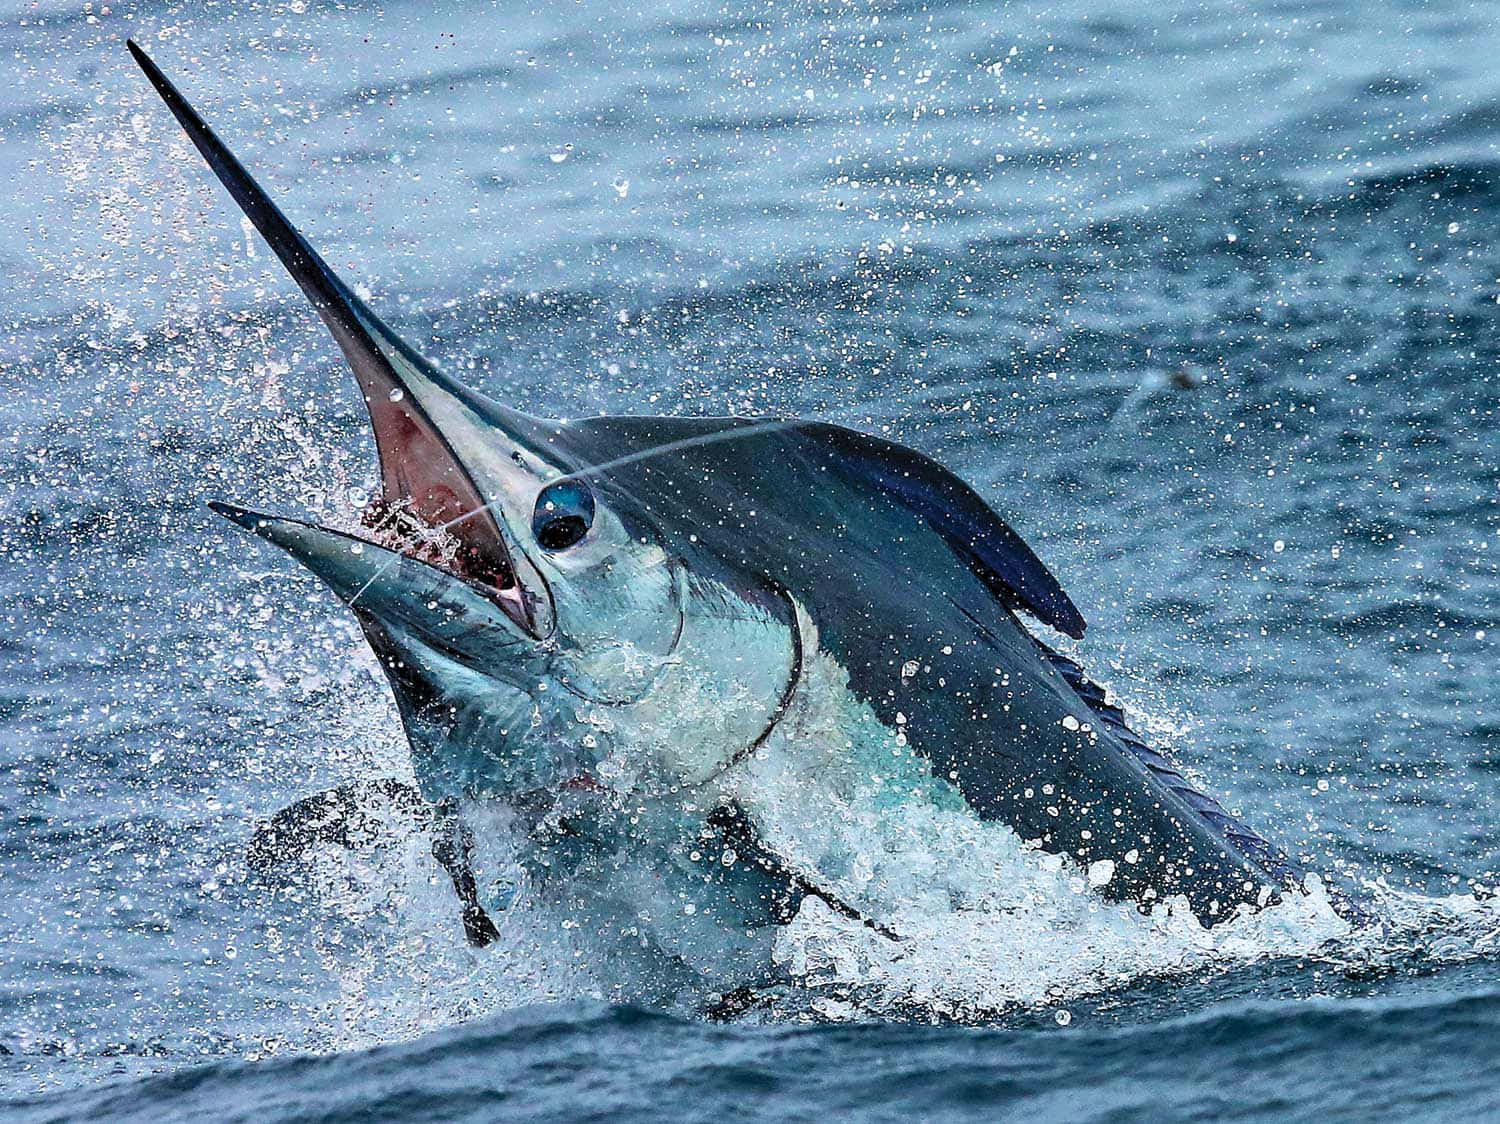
<point x="594" y="471"/>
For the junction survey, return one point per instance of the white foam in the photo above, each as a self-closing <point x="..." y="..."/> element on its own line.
<point x="987" y="922"/>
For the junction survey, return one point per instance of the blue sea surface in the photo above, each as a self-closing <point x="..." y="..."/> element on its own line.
<point x="1201" y="296"/>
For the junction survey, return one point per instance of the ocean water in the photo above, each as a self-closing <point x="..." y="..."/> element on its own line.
<point x="1004" y="234"/>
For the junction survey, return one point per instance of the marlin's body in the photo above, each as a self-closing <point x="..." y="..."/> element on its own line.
<point x="641" y="634"/>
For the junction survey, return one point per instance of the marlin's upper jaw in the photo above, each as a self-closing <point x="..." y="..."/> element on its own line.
<point x="434" y="505"/>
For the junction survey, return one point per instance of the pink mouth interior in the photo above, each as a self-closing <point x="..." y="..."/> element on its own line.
<point x="429" y="507"/>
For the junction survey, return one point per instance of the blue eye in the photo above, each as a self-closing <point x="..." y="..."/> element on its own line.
<point x="564" y="513"/>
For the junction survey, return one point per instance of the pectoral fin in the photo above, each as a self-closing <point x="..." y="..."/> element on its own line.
<point x="348" y="815"/>
<point x="735" y="828"/>
<point x="453" y="847"/>
<point x="341" y="816"/>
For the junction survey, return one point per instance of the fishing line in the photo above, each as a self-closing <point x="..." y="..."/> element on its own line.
<point x="773" y="426"/>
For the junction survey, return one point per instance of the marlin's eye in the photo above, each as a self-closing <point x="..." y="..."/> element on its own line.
<point x="564" y="513"/>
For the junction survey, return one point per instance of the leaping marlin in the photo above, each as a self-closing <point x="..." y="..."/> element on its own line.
<point x="586" y="619"/>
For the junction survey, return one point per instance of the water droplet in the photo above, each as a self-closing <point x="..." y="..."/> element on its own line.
<point x="1063" y="1016"/>
<point x="397" y="394"/>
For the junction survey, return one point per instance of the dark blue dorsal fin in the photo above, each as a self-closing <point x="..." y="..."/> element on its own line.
<point x="955" y="511"/>
<point x="1265" y="854"/>
<point x="952" y="509"/>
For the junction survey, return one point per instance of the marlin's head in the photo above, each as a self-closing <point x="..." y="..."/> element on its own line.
<point x="532" y="622"/>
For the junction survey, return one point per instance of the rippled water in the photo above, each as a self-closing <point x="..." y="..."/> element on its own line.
<point x="996" y="233"/>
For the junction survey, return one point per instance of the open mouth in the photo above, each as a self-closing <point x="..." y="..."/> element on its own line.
<point x="398" y="528"/>
<point x="430" y="505"/>
<point x="436" y="536"/>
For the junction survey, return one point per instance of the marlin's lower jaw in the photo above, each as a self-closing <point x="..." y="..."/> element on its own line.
<point x="400" y="591"/>
<point x="483" y="562"/>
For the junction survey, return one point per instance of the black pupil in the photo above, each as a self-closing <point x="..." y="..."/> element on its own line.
<point x="561" y="532"/>
<point x="564" y="513"/>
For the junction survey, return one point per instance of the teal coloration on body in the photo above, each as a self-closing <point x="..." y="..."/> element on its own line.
<point x="612" y="625"/>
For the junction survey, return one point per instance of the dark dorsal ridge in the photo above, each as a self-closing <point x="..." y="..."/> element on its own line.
<point x="1264" y="854"/>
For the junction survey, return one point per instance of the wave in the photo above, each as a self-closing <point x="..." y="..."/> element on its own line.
<point x="1322" y="1057"/>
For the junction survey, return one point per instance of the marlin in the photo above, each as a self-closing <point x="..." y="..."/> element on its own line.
<point x="645" y="637"/>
